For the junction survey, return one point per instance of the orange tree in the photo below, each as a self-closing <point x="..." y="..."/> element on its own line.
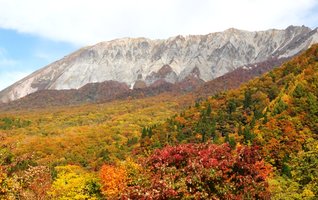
<point x="113" y="180"/>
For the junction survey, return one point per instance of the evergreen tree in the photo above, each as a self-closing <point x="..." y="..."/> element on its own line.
<point x="231" y="106"/>
<point x="208" y="110"/>
<point x="280" y="107"/>
<point x="143" y="133"/>
<point x="247" y="99"/>
<point x="248" y="135"/>
<point x="299" y="91"/>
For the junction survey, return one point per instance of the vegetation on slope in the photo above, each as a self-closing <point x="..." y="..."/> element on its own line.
<point x="277" y="112"/>
<point x="87" y="136"/>
<point x="256" y="142"/>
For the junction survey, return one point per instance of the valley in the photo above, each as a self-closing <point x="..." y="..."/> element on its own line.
<point x="250" y="133"/>
<point x="227" y="115"/>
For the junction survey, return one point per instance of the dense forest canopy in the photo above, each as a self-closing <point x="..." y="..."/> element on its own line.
<point x="256" y="142"/>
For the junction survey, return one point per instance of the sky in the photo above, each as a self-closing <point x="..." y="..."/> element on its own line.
<point x="35" y="33"/>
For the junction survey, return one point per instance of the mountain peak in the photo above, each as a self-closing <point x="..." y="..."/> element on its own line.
<point x="234" y="30"/>
<point x="128" y="60"/>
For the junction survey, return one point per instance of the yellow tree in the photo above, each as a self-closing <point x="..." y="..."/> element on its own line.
<point x="72" y="182"/>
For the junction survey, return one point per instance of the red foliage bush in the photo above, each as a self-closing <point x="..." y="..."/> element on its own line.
<point x="204" y="171"/>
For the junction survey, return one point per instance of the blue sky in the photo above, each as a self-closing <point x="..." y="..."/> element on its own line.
<point x="35" y="33"/>
<point x="22" y="54"/>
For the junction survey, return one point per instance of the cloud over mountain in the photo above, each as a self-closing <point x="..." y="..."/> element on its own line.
<point x="87" y="22"/>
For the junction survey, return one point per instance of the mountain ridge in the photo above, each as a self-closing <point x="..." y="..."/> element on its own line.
<point x="112" y="90"/>
<point x="132" y="60"/>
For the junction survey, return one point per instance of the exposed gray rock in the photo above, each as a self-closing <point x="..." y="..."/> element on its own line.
<point x="128" y="60"/>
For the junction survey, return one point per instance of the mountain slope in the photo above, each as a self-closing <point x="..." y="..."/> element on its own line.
<point x="112" y="90"/>
<point x="146" y="61"/>
<point x="256" y="142"/>
<point x="285" y="93"/>
<point x="277" y="113"/>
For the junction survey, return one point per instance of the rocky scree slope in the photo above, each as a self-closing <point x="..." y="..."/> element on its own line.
<point x="143" y="62"/>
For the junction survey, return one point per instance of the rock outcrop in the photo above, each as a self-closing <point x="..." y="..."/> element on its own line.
<point x="144" y="61"/>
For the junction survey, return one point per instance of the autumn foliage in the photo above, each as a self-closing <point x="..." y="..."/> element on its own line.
<point x="205" y="171"/>
<point x="256" y="142"/>
<point x="72" y="182"/>
<point x="278" y="112"/>
<point x="113" y="180"/>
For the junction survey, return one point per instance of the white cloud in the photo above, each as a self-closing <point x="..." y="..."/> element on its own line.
<point x="85" y="22"/>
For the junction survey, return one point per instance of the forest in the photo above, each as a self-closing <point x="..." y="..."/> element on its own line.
<point x="256" y="142"/>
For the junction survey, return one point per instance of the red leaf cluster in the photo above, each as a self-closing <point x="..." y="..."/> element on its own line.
<point x="203" y="171"/>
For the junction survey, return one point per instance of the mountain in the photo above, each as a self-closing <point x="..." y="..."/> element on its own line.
<point x="113" y="90"/>
<point x="276" y="113"/>
<point x="255" y="142"/>
<point x="143" y="62"/>
<point x="237" y="77"/>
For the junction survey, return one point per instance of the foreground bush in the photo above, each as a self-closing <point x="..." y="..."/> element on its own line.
<point x="204" y="171"/>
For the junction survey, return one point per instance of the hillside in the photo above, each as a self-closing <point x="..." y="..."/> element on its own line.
<point x="277" y="112"/>
<point x="112" y="90"/>
<point x="255" y="142"/>
<point x="34" y="142"/>
<point x="99" y="93"/>
<point x="142" y="62"/>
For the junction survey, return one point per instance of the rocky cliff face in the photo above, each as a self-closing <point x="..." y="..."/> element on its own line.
<point x="144" y="61"/>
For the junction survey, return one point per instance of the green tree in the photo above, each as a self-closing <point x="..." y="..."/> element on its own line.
<point x="279" y="107"/>
<point x="231" y="106"/>
<point x="299" y="91"/>
<point x="247" y="102"/>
